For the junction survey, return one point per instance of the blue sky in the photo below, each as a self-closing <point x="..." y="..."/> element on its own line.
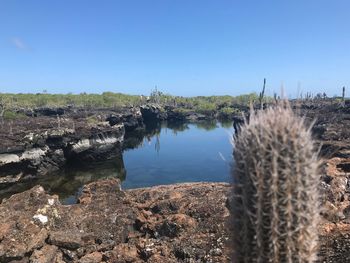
<point x="185" y="47"/>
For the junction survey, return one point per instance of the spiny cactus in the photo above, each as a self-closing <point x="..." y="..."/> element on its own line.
<point x="261" y="95"/>
<point x="275" y="203"/>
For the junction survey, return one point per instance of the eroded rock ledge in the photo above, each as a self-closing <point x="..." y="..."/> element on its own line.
<point x="45" y="140"/>
<point x="175" y="223"/>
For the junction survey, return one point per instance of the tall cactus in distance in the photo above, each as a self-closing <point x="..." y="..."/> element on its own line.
<point x="275" y="203"/>
<point x="261" y="95"/>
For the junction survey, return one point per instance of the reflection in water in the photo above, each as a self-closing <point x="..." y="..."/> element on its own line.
<point x="226" y="124"/>
<point x="67" y="184"/>
<point x="207" y="125"/>
<point x="190" y="152"/>
<point x="176" y="127"/>
<point x="157" y="144"/>
<point x="200" y="152"/>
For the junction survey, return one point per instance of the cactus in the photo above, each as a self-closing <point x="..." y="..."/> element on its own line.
<point x="275" y="201"/>
<point x="275" y="97"/>
<point x="261" y="95"/>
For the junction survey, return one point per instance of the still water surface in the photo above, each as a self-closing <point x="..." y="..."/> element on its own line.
<point x="163" y="154"/>
<point x="198" y="152"/>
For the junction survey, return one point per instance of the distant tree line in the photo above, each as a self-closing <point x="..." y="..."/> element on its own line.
<point x="202" y="104"/>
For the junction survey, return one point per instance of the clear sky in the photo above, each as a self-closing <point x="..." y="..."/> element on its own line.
<point x="185" y="47"/>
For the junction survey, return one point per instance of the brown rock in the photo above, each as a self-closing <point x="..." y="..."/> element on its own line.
<point x="4" y="230"/>
<point x="94" y="257"/>
<point x="66" y="239"/>
<point x="10" y="249"/>
<point x="183" y="220"/>
<point x="59" y="258"/>
<point x="339" y="187"/>
<point x="69" y="255"/>
<point x="159" y="258"/>
<point x="46" y="254"/>
<point x="329" y="211"/>
<point x="22" y="260"/>
<point x="93" y="192"/>
<point x="38" y="240"/>
<point x="168" y="229"/>
<point x="122" y="253"/>
<point x="22" y="238"/>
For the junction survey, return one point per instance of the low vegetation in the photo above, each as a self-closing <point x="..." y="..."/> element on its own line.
<point x="220" y="106"/>
<point x="207" y="105"/>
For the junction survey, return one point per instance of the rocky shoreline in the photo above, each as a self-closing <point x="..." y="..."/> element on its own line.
<point x="175" y="223"/>
<point x="49" y="138"/>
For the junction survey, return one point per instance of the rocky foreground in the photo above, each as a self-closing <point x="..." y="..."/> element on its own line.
<point x="176" y="223"/>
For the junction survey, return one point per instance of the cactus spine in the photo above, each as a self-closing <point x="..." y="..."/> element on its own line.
<point x="275" y="203"/>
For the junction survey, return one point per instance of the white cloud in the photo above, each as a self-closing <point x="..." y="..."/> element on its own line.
<point x="18" y="43"/>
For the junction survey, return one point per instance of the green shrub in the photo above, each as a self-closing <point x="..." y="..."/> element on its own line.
<point x="11" y="115"/>
<point x="201" y="104"/>
<point x="206" y="108"/>
<point x="183" y="110"/>
<point x="228" y="111"/>
<point x="92" y="119"/>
